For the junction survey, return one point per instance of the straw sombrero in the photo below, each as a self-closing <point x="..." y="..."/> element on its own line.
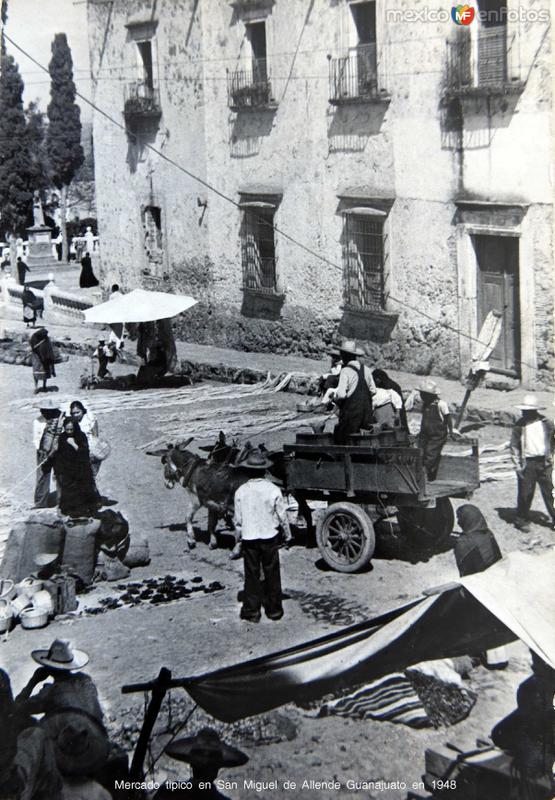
<point x="206" y="748"/>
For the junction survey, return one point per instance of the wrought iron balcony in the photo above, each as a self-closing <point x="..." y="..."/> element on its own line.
<point x="250" y="88"/>
<point x="142" y="100"/>
<point x="488" y="64"/>
<point x="354" y="78"/>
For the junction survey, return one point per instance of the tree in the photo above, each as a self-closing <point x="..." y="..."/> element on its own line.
<point x="16" y="174"/>
<point x="63" y="138"/>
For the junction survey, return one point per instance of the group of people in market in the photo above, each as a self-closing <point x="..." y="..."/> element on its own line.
<point x="68" y="446"/>
<point x="54" y="742"/>
<point x="367" y="399"/>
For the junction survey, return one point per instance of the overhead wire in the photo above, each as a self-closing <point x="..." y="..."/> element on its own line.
<point x="207" y="185"/>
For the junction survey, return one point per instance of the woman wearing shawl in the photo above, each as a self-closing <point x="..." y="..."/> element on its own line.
<point x="32" y="306"/>
<point x="475" y="551"/>
<point x="476" y="548"/>
<point x="87" y="277"/>
<point x="78" y="495"/>
<point x="383" y="381"/>
<point x="42" y="358"/>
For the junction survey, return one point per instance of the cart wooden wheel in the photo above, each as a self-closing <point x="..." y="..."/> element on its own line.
<point x="434" y="523"/>
<point x="345" y="537"/>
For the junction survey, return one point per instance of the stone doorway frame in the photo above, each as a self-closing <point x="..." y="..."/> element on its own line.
<point x="479" y="218"/>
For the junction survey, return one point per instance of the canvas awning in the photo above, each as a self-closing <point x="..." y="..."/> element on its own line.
<point x="513" y="599"/>
<point x="140" y="305"/>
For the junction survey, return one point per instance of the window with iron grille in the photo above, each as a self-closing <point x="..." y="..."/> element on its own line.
<point x="259" y="250"/>
<point x="363" y="262"/>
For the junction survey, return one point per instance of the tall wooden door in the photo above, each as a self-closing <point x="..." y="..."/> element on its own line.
<point x="498" y="288"/>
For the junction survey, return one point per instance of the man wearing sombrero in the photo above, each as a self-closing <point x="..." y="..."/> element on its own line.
<point x="73" y="717"/>
<point x="46" y="431"/>
<point x="532" y="445"/>
<point x="354" y="393"/>
<point x="207" y="755"/>
<point x="260" y="511"/>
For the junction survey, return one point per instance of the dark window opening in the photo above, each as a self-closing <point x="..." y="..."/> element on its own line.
<point x="153" y="238"/>
<point x="256" y="34"/>
<point x="364" y="16"/>
<point x="363" y="261"/>
<point x="145" y="53"/>
<point x="259" y="250"/>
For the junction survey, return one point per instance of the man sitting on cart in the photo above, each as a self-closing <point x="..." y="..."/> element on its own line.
<point x="353" y="395"/>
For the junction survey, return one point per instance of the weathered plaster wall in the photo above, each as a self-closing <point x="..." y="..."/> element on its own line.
<point x="408" y="149"/>
<point x="128" y="174"/>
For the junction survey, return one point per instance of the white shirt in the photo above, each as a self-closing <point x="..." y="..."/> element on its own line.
<point x="384" y="396"/>
<point x="259" y="509"/>
<point x="533" y="439"/>
<point x="38" y="429"/>
<point x="348" y="378"/>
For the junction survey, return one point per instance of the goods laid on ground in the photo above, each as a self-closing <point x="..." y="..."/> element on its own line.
<point x="48" y="559"/>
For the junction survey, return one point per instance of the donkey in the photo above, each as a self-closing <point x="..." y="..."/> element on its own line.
<point x="211" y="483"/>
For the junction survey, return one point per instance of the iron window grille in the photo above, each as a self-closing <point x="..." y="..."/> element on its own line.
<point x="250" y="87"/>
<point x="363" y="260"/>
<point x="354" y="77"/>
<point x="259" y="250"/>
<point x="142" y="99"/>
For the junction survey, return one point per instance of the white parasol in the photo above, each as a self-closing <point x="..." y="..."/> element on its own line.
<point x="139" y="305"/>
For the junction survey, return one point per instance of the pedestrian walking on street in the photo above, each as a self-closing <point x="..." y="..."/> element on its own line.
<point x="42" y="358"/>
<point x="104" y="354"/>
<point x="87" y="279"/>
<point x="46" y="430"/>
<point x="532" y="445"/>
<point x="436" y="425"/>
<point x="260" y="510"/>
<point x="33" y="306"/>
<point x="22" y="270"/>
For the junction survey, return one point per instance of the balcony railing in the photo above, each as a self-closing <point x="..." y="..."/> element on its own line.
<point x="488" y="63"/>
<point x="142" y="100"/>
<point x="250" y="88"/>
<point x="354" y="78"/>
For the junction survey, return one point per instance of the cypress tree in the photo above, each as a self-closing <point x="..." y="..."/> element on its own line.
<point x="63" y="139"/>
<point x="16" y="173"/>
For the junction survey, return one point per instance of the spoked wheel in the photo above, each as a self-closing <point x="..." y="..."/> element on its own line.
<point x="345" y="537"/>
<point x="434" y="524"/>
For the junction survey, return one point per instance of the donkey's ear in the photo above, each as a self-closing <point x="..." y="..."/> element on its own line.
<point x="221" y="437"/>
<point x="161" y="452"/>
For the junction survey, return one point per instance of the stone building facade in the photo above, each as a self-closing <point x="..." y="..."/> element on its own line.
<point x="317" y="168"/>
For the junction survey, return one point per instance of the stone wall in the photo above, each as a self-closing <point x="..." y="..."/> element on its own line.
<point x="409" y="149"/>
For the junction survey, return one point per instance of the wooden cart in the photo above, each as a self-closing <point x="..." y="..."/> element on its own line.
<point x="371" y="478"/>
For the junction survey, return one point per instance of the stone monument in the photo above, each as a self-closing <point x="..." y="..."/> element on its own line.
<point x="39" y="235"/>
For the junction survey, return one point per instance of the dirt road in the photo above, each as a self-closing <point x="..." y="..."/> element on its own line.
<point x="203" y="631"/>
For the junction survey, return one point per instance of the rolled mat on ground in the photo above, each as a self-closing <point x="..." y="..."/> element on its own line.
<point x="512" y="599"/>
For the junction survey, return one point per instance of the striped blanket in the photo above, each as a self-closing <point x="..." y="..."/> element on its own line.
<point x="391" y="699"/>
